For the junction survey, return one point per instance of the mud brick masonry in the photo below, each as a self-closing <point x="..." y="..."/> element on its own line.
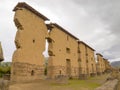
<point x="68" y="56"/>
<point x="62" y="50"/>
<point x="28" y="60"/>
<point x="86" y="60"/>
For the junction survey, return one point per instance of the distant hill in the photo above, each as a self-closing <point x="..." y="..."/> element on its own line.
<point x="116" y="64"/>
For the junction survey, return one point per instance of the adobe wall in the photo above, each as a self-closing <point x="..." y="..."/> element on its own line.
<point x="28" y="60"/>
<point x="91" y="65"/>
<point x="82" y="60"/>
<point x="107" y="66"/>
<point x="59" y="42"/>
<point x="100" y="64"/>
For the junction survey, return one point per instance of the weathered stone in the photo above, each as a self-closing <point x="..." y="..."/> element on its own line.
<point x="61" y="79"/>
<point x="101" y="65"/>
<point x="68" y="57"/>
<point x="4" y="84"/>
<point x="28" y="60"/>
<point x="1" y="53"/>
<point x="26" y="72"/>
<point x="62" y="51"/>
<point x="83" y="76"/>
<point x="86" y="59"/>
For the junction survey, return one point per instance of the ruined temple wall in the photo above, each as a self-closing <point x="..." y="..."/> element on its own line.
<point x="56" y="50"/>
<point x="91" y="65"/>
<point x="28" y="60"/>
<point x="100" y="64"/>
<point x="82" y="54"/>
<point x="107" y="65"/>
<point x="103" y="65"/>
<point x="74" y="57"/>
<point x="60" y="42"/>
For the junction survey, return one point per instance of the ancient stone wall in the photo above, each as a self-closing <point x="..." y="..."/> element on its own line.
<point x="91" y="66"/>
<point x="100" y="64"/>
<point x="28" y="60"/>
<point x="68" y="56"/>
<point x="62" y="50"/>
<point x="82" y="60"/>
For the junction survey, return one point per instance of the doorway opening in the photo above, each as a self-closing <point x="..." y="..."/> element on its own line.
<point x="68" y="67"/>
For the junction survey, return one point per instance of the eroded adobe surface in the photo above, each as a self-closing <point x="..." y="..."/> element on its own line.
<point x="100" y="64"/>
<point x="28" y="59"/>
<point x="63" y="53"/>
<point x="87" y="64"/>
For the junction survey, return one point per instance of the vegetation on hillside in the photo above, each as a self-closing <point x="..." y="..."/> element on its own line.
<point x="116" y="64"/>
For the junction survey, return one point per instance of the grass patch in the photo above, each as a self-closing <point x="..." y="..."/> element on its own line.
<point x="77" y="84"/>
<point x="83" y="83"/>
<point x="89" y="84"/>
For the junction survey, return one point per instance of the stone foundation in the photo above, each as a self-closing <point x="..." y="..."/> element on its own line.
<point x="54" y="71"/>
<point x="26" y="72"/>
<point x="83" y="76"/>
<point x="99" y="73"/>
<point x="75" y="73"/>
<point x="61" y="79"/>
<point x="93" y="74"/>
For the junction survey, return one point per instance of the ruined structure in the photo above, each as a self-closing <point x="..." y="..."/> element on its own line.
<point x="107" y="65"/>
<point x="68" y="56"/>
<point x="1" y="53"/>
<point x="82" y="60"/>
<point x="87" y="64"/>
<point x="90" y="59"/>
<point x="100" y="64"/>
<point x="28" y="60"/>
<point x="62" y="49"/>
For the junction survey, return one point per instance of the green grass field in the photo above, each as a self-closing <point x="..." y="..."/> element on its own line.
<point x="89" y="84"/>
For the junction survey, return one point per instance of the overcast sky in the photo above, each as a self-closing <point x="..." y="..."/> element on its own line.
<point x="96" y="22"/>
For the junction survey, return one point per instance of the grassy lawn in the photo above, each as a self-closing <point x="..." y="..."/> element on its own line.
<point x="79" y="85"/>
<point x="89" y="84"/>
<point x="84" y="84"/>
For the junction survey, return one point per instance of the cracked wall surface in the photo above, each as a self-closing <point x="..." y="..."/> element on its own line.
<point x="28" y="60"/>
